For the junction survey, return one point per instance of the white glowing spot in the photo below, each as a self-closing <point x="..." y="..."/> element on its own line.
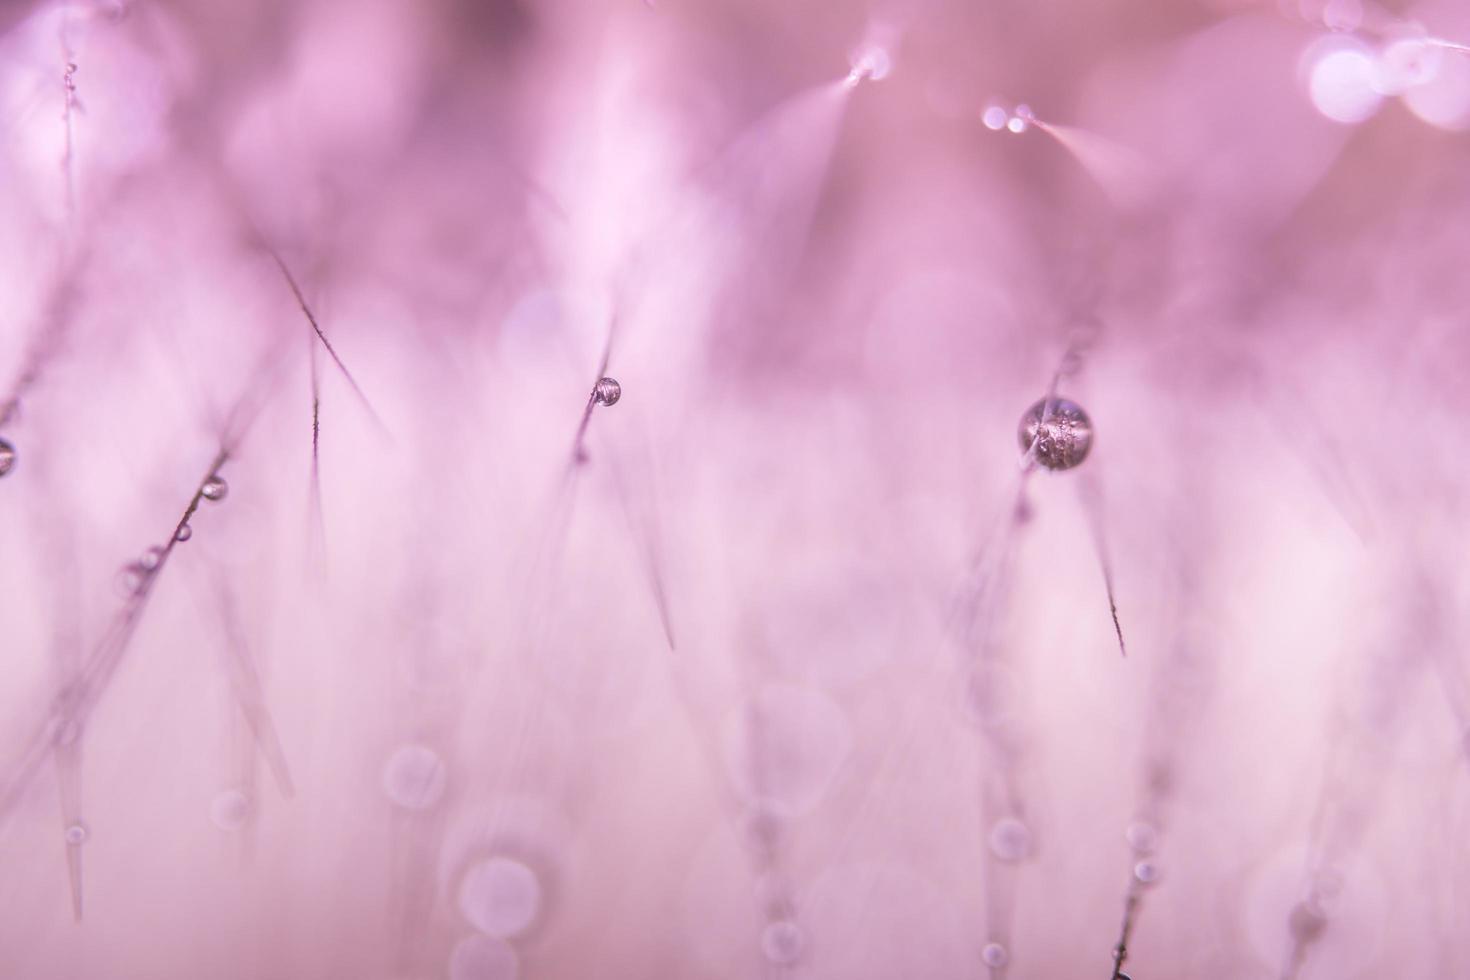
<point x="1017" y="124"/>
<point x="871" y="63"/>
<point x="994" y="118"/>
<point x="414" y="777"/>
<point x="1341" y="85"/>
<point x="500" y="897"/>
<point x="1443" y="100"/>
<point x="1405" y="64"/>
<point x="483" y="958"/>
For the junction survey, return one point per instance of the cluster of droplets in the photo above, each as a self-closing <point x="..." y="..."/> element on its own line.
<point x="1349" y="77"/>
<point x="997" y="117"/>
<point x="134" y="577"/>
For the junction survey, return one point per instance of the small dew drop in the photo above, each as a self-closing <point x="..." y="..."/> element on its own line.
<point x="994" y="118"/>
<point x="1017" y="124"/>
<point x="76" y="834"/>
<point x="7" y="457"/>
<point x="782" y="942"/>
<point x="1146" y="873"/>
<point x="1060" y="432"/>
<point x="607" y="391"/>
<point x="184" y="533"/>
<point x="995" y="956"/>
<point x="229" y="809"/>
<point x="131" y="579"/>
<point x="1142" y="837"/>
<point x="414" y="777"/>
<point x="215" y="489"/>
<point x="1010" y="840"/>
<point x="151" y="559"/>
<point x="500" y="897"/>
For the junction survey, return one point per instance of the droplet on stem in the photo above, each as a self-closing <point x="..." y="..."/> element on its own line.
<point x="994" y="955"/>
<point x="1010" y="840"/>
<point x="230" y="809"/>
<point x="131" y="578"/>
<point x="151" y="559"/>
<point x="607" y="391"/>
<point x="1057" y="433"/>
<point x="184" y="533"/>
<point x="215" y="489"/>
<point x="76" y="834"/>
<point x="1142" y="837"/>
<point x="7" y="457"/>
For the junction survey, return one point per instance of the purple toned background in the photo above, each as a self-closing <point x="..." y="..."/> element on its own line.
<point x="789" y="664"/>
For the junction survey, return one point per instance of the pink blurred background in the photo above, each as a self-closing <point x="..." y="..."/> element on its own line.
<point x="800" y="673"/>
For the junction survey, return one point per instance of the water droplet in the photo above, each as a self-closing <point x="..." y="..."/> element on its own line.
<point x="151" y="559"/>
<point x="7" y="457"/>
<point x="1010" y="840"/>
<point x="1060" y="432"/>
<point x="483" y="958"/>
<point x="184" y="533"/>
<point x="215" y="488"/>
<point x="994" y="118"/>
<point x="607" y="391"/>
<point x="994" y="955"/>
<point x="782" y="942"/>
<point x="500" y="897"/>
<point x="131" y="579"/>
<point x="1016" y="124"/>
<point x="414" y="777"/>
<point x="76" y="834"/>
<point x="1142" y="837"/>
<point x="229" y="809"/>
<point x="1146" y="873"/>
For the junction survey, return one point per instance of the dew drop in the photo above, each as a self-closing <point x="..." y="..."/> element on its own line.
<point x="607" y="391"/>
<point x="131" y="578"/>
<point x="994" y="955"/>
<point x="1060" y="432"/>
<point x="215" y="488"/>
<point x="184" y="533"/>
<point x="76" y="834"/>
<point x="414" y="777"/>
<point x="230" y="809"/>
<point x="994" y="118"/>
<point x="151" y="559"/>
<point x="1146" y="873"/>
<point x="500" y="897"/>
<point x="782" y="942"/>
<point x="1010" y="840"/>
<point x="1142" y="837"/>
<point x="7" y="457"/>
